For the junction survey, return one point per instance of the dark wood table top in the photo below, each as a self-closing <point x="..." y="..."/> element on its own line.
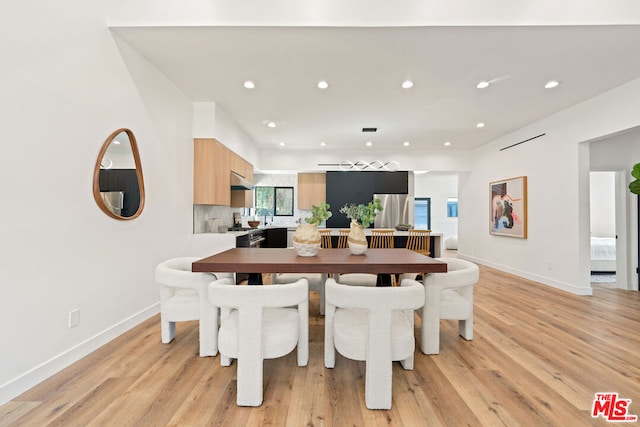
<point x="280" y="260"/>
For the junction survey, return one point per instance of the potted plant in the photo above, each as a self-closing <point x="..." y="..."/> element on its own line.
<point x="361" y="217"/>
<point x="306" y="239"/>
<point x="634" y="186"/>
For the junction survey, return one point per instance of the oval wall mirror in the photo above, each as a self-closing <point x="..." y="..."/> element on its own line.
<point x="118" y="187"/>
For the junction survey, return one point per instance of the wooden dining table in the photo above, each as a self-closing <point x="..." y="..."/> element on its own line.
<point x="256" y="261"/>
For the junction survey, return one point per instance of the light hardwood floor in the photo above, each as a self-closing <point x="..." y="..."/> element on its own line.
<point x="537" y="358"/>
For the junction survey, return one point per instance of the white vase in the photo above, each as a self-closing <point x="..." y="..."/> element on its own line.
<point x="306" y="240"/>
<point x="356" y="240"/>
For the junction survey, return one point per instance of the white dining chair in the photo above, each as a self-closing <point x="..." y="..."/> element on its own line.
<point x="315" y="280"/>
<point x="375" y="325"/>
<point x="183" y="297"/>
<point x="257" y="323"/>
<point x="448" y="296"/>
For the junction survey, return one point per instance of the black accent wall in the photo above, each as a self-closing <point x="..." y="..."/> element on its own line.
<point x="359" y="187"/>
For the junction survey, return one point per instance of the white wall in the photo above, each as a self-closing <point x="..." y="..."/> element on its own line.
<point x="439" y="187"/>
<point x="557" y="167"/>
<point x="65" y="87"/>
<point x="211" y="121"/>
<point x="603" y="204"/>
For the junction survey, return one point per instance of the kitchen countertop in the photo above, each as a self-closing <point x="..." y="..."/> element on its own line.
<point x="367" y="231"/>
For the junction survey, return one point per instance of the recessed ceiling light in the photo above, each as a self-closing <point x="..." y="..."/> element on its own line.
<point x="406" y="143"/>
<point x="369" y="144"/>
<point x="483" y="85"/>
<point x="323" y="84"/>
<point x="446" y="144"/>
<point x="323" y="144"/>
<point x="249" y="84"/>
<point x="282" y="144"/>
<point x="551" y="84"/>
<point x="269" y="123"/>
<point x="480" y="125"/>
<point x="407" y="84"/>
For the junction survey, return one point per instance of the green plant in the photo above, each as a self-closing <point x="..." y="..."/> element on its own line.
<point x="362" y="214"/>
<point x="319" y="213"/>
<point x="634" y="186"/>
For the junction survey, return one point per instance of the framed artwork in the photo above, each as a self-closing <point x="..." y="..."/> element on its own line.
<point x="508" y="211"/>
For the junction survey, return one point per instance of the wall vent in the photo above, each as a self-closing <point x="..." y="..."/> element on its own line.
<point x="522" y="142"/>
<point x="369" y="129"/>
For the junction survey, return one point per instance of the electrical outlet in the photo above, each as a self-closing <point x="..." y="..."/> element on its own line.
<point x="74" y="318"/>
<point x="549" y="266"/>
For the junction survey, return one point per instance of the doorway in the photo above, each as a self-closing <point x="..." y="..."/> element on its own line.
<point x="608" y="233"/>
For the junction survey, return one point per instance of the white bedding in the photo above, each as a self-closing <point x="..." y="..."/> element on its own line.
<point x="603" y="254"/>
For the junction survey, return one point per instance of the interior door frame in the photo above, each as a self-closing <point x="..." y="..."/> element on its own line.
<point x="622" y="232"/>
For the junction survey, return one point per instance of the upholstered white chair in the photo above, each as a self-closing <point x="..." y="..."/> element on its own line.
<point x="380" y="238"/>
<point x="373" y="324"/>
<point x="183" y="297"/>
<point x="448" y="296"/>
<point x="257" y="323"/>
<point x="315" y="280"/>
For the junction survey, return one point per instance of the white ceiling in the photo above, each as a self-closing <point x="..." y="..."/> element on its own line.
<point x="365" y="67"/>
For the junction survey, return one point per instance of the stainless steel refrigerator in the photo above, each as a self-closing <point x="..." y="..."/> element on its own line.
<point x="395" y="210"/>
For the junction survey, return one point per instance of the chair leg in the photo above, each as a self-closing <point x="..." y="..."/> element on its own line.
<point x="329" y="347"/>
<point x="323" y="280"/>
<point x="224" y="360"/>
<point x="302" y="347"/>
<point x="431" y="322"/>
<point x="379" y="367"/>
<point x="465" y="328"/>
<point x="250" y="360"/>
<point x="208" y="329"/>
<point x="168" y="330"/>
<point x="407" y="364"/>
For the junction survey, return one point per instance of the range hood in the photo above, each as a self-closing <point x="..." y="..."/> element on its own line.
<point x="240" y="183"/>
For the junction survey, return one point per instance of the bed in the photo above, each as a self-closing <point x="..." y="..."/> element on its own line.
<point x="603" y="254"/>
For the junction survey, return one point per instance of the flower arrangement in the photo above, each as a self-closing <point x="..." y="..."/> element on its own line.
<point x="362" y="214"/>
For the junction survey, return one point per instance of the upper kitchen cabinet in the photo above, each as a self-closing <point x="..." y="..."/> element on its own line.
<point x="241" y="167"/>
<point x="211" y="173"/>
<point x="312" y="189"/>
<point x="241" y="198"/>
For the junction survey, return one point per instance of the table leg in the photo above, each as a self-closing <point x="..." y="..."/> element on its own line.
<point x="255" y="279"/>
<point x="383" y="280"/>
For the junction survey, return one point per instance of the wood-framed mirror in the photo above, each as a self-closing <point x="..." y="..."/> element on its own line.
<point x="118" y="186"/>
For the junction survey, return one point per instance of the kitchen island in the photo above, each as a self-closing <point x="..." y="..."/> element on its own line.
<point x="399" y="239"/>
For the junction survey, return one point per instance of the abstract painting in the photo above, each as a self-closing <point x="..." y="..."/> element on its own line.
<point x="508" y="210"/>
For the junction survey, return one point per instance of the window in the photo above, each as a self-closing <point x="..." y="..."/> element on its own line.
<point x="422" y="213"/>
<point x="274" y="201"/>
<point x="452" y="207"/>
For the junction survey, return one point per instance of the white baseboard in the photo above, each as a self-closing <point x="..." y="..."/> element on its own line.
<point x="31" y="378"/>
<point x="536" y="278"/>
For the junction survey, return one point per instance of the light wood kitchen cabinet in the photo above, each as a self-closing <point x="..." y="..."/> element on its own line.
<point x="211" y="173"/>
<point x="241" y="198"/>
<point x="237" y="164"/>
<point x="312" y="189"/>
